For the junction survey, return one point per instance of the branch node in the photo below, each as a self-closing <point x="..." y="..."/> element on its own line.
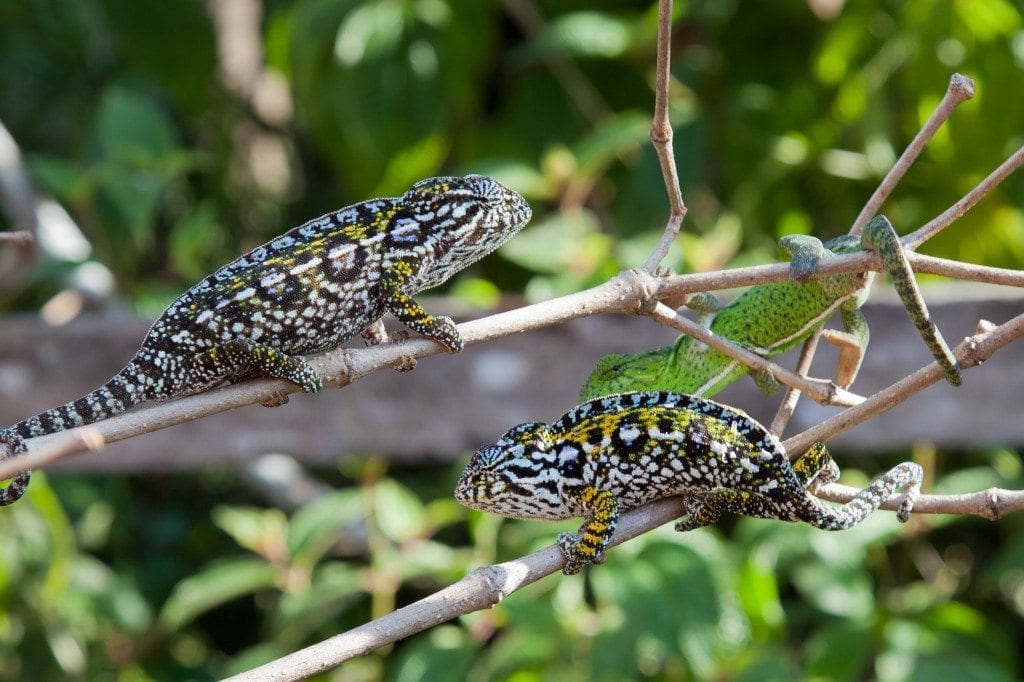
<point x="994" y="509"/>
<point x="642" y="287"/>
<point x="961" y="86"/>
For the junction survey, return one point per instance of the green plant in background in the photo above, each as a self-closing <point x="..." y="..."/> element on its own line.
<point x="123" y="117"/>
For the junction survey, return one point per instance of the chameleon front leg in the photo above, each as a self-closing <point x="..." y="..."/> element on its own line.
<point x="880" y="237"/>
<point x="410" y="313"/>
<point x="240" y="358"/>
<point x="852" y="341"/>
<point x="587" y="546"/>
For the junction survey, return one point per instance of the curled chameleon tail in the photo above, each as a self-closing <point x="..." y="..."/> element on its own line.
<point x="114" y="397"/>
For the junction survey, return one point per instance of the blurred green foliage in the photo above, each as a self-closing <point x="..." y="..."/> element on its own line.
<point x="224" y="583"/>
<point x="173" y="161"/>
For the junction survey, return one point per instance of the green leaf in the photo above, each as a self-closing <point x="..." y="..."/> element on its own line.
<point x="260" y="530"/>
<point x="561" y="242"/>
<point x="129" y="127"/>
<point x="217" y="584"/>
<point x="586" y="34"/>
<point x="334" y="588"/>
<point x="398" y="512"/>
<point x="314" y="529"/>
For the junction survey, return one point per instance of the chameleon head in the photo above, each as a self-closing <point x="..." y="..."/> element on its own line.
<point x="513" y="477"/>
<point x="625" y="373"/>
<point x="458" y="221"/>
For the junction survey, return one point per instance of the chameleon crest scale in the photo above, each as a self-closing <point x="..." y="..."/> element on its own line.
<point x="307" y="291"/>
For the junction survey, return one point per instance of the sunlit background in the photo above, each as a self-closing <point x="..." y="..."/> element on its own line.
<point x="161" y="139"/>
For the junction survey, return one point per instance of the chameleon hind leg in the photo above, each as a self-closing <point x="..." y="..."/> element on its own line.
<point x="816" y="465"/>
<point x="410" y="313"/>
<point x="790" y="506"/>
<point x="880" y="237"/>
<point x="240" y="359"/>
<point x="705" y="509"/>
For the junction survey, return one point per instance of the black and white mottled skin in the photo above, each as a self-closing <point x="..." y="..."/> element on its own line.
<point x="307" y="291"/>
<point x="622" y="451"/>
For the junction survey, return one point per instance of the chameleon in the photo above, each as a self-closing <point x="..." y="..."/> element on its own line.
<point x="772" y="318"/>
<point x="621" y="451"/>
<point x="307" y="291"/>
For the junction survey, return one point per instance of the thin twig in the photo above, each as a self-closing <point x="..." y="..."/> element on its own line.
<point x="824" y="392"/>
<point x="661" y="138"/>
<point x="792" y="396"/>
<point x="86" y="439"/>
<point x="965" y="271"/>
<point x="971" y="352"/>
<point x="20" y="238"/>
<point x="960" y="89"/>
<point x="991" y="504"/>
<point x="915" y="239"/>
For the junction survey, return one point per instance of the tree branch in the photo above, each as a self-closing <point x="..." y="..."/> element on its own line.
<point x="661" y="138"/>
<point x="822" y="391"/>
<point x="959" y="90"/>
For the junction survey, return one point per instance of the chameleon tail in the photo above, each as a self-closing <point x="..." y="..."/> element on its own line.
<point x="114" y="397"/>
<point x="881" y="237"/>
<point x="904" y="477"/>
<point x="16" y="488"/>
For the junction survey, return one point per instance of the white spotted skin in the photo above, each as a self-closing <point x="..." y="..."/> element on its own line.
<point x="306" y="291"/>
<point x="643" y="446"/>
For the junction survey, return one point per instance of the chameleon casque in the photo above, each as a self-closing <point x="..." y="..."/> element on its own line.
<point x="772" y="318"/>
<point x="621" y="451"/>
<point x="307" y="291"/>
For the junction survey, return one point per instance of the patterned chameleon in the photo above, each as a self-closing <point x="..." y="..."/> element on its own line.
<point x="772" y="318"/>
<point x="307" y="291"/>
<point x="619" y="452"/>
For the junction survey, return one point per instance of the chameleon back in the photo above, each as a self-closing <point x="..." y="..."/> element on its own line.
<point x="316" y="286"/>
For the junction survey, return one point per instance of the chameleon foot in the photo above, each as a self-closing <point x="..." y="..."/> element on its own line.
<point x="568" y="543"/>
